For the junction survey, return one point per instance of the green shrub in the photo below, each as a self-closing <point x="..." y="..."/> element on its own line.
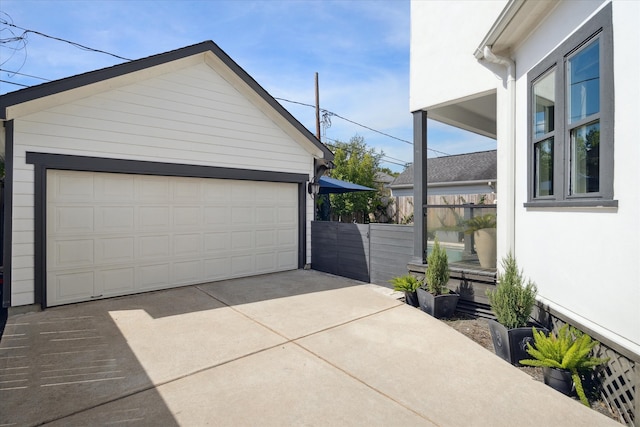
<point x="512" y="301"/>
<point x="570" y="349"/>
<point x="437" y="274"/>
<point x="406" y="283"/>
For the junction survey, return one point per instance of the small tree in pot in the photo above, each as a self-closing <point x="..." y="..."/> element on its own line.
<point x="483" y="229"/>
<point x="434" y="297"/>
<point x="512" y="302"/>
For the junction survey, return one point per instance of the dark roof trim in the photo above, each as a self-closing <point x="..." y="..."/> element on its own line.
<point x="73" y="82"/>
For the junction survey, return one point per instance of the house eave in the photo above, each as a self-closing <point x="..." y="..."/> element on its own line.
<point x="514" y="24"/>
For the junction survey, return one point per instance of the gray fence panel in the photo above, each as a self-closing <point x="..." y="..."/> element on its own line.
<point x="340" y="249"/>
<point x="324" y="246"/>
<point x="353" y="251"/>
<point x="391" y="249"/>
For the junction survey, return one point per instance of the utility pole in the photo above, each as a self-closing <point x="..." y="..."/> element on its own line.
<point x="317" y="109"/>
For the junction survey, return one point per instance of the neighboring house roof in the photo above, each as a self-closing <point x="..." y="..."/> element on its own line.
<point x="9" y="101"/>
<point x="461" y="168"/>
<point x="384" y="178"/>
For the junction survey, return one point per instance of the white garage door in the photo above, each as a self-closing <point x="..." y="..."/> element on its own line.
<point x="115" y="234"/>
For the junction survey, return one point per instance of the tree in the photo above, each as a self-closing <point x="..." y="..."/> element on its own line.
<point x="355" y="162"/>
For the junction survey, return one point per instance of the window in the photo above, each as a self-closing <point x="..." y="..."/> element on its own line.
<point x="571" y="120"/>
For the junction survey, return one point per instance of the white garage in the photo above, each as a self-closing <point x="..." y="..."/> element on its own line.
<point x="171" y="170"/>
<point x="115" y="234"/>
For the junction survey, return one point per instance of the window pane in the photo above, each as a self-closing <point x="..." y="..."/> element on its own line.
<point x="583" y="71"/>
<point x="544" y="168"/>
<point x="585" y="159"/>
<point x="544" y="103"/>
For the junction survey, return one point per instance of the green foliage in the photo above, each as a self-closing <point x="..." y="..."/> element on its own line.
<point x="406" y="283"/>
<point x="479" y="222"/>
<point x="437" y="274"/>
<point x="570" y="349"/>
<point x="512" y="300"/>
<point x="356" y="163"/>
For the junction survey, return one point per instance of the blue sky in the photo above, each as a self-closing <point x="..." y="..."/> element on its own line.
<point x="359" y="48"/>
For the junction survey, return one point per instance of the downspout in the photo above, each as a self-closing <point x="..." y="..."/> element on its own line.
<point x="510" y="145"/>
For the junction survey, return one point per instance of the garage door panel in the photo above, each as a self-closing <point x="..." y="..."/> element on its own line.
<point x="216" y="242"/>
<point x="187" y="245"/>
<point x="114" y="249"/>
<point x="72" y="253"/>
<point x="218" y="215"/>
<point x="115" y="281"/>
<point x="152" y="188"/>
<point x="217" y="268"/>
<point x="73" y="286"/>
<point x="186" y="190"/>
<point x="72" y="219"/>
<point x="163" y="232"/>
<point x="266" y="262"/>
<point x="111" y="219"/>
<point x="114" y="187"/>
<point x="187" y="216"/>
<point x="67" y="188"/>
<point x="241" y="240"/>
<point x="153" y="217"/>
<point x="186" y="272"/>
<point x="287" y="259"/>
<point x="242" y="265"/>
<point x="153" y="246"/>
<point x="265" y="238"/>
<point x="154" y="276"/>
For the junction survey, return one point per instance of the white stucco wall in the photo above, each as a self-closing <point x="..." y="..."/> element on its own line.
<point x="190" y="115"/>
<point x="586" y="261"/>
<point x="444" y="35"/>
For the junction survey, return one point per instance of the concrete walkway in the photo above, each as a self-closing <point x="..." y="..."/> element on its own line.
<point x="294" y="348"/>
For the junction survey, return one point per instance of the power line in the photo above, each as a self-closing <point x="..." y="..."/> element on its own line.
<point x="361" y="125"/>
<point x="26" y="75"/>
<point x="382" y="157"/>
<point x="12" y="83"/>
<point x="78" y="45"/>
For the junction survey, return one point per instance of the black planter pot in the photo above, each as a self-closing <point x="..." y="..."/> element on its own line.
<point x="411" y="298"/>
<point x="511" y="344"/>
<point x="440" y="306"/>
<point x="558" y="379"/>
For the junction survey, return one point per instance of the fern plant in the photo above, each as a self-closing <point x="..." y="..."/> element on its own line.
<point x="437" y="274"/>
<point x="570" y="349"/>
<point x="480" y="222"/>
<point x="513" y="299"/>
<point x="406" y="283"/>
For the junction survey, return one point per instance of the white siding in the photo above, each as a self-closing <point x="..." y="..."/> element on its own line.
<point x="444" y="35"/>
<point x="585" y="261"/>
<point x="190" y="115"/>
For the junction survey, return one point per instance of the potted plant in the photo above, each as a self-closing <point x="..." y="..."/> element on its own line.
<point x="433" y="296"/>
<point x="563" y="357"/>
<point x="512" y="302"/>
<point x="407" y="284"/>
<point x="483" y="228"/>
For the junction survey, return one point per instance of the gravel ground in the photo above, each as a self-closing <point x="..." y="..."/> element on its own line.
<point x="477" y="329"/>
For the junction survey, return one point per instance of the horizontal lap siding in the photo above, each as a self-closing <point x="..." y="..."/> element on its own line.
<point x="189" y="116"/>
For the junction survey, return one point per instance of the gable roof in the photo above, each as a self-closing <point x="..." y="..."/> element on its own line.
<point x="479" y="166"/>
<point x="74" y="82"/>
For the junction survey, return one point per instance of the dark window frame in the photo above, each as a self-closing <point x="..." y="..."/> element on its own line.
<point x="599" y="26"/>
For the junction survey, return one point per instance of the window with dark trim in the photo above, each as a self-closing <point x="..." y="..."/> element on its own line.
<point x="570" y="115"/>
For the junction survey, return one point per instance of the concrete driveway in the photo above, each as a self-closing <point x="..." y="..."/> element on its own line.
<point x="294" y="348"/>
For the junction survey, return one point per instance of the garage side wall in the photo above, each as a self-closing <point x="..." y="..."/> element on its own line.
<point x="191" y="116"/>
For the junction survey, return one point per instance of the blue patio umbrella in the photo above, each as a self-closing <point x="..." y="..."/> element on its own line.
<point x="332" y="185"/>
